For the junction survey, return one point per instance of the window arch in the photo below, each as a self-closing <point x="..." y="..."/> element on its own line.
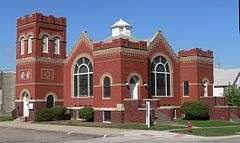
<point x="83" y="78"/>
<point x="160" y="77"/>
<point x="44" y="44"/>
<point x="29" y="44"/>
<point x="106" y="87"/>
<point x="56" y="43"/>
<point x="22" y="46"/>
<point x="205" y="87"/>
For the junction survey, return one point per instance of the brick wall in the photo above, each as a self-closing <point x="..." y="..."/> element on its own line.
<point x="224" y="113"/>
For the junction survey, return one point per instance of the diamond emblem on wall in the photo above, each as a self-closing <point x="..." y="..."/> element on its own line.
<point x="47" y="74"/>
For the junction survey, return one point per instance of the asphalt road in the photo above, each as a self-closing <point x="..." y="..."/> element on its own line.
<point x="19" y="135"/>
<point x="13" y="135"/>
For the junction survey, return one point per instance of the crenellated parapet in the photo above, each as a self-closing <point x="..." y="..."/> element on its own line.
<point x="39" y="17"/>
<point x="121" y="42"/>
<point x="195" y="52"/>
<point x="197" y="55"/>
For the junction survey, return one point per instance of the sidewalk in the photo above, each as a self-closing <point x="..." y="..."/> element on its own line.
<point x="64" y="128"/>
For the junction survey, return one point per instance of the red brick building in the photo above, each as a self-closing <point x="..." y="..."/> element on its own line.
<point x="115" y="76"/>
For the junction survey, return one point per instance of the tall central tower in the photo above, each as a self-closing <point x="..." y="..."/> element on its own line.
<point x="40" y="53"/>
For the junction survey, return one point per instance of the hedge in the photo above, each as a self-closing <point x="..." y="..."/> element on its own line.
<point x="87" y="114"/>
<point x="52" y="114"/>
<point x="195" y="111"/>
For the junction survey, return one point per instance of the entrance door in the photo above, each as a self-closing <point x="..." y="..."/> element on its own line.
<point x="134" y="87"/>
<point x="25" y="104"/>
<point x="50" y="101"/>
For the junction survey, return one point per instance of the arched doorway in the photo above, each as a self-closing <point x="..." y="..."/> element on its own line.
<point x="50" y="101"/>
<point x="134" y="87"/>
<point x="25" y="97"/>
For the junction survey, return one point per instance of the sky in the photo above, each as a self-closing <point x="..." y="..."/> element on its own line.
<point x="206" y="24"/>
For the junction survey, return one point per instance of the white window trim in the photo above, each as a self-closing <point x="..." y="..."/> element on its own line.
<point x="22" y="46"/>
<point x="57" y="52"/>
<point x="106" y="98"/>
<point x="165" y="73"/>
<point x="30" y="43"/>
<point x="44" y="50"/>
<point x="103" y="117"/>
<point x="188" y="89"/>
<point x="77" y="74"/>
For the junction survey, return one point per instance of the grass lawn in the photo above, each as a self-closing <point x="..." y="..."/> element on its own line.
<point x="218" y="131"/>
<point x="159" y="126"/>
<point x="209" y="123"/>
<point x="200" y="128"/>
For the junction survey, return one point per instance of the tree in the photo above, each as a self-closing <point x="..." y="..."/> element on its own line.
<point x="232" y="95"/>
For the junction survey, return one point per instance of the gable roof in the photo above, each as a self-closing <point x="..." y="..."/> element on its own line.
<point x="224" y="77"/>
<point x="158" y="36"/>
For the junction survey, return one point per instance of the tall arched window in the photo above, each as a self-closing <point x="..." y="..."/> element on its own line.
<point x="56" y="45"/>
<point x="83" y="78"/>
<point x="44" y="44"/>
<point x="106" y="87"/>
<point x="160" y="77"/>
<point x="29" y="44"/>
<point x="22" y="46"/>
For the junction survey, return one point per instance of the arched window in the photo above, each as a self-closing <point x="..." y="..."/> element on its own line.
<point x="106" y="87"/>
<point x="160" y="77"/>
<point x="56" y="45"/>
<point x="50" y="101"/>
<point x="22" y="48"/>
<point x="83" y="78"/>
<point x="29" y="44"/>
<point x="44" y="44"/>
<point x="205" y="88"/>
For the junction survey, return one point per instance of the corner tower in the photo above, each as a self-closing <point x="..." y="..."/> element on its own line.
<point x="40" y="55"/>
<point x="196" y="72"/>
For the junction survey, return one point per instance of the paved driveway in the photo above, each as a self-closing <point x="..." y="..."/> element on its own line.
<point x="13" y="135"/>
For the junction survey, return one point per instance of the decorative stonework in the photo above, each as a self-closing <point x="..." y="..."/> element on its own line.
<point x="120" y="51"/>
<point x="25" y="74"/>
<point x="83" y="40"/>
<point x="30" y="60"/>
<point x="159" y="38"/>
<point x="47" y="74"/>
<point x="196" y="58"/>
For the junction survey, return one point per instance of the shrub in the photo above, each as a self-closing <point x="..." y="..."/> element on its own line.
<point x="195" y="111"/>
<point x="52" y="114"/>
<point x="232" y="95"/>
<point x="6" y="118"/>
<point x="87" y="114"/>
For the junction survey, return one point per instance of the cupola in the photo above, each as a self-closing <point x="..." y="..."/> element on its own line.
<point x="121" y="27"/>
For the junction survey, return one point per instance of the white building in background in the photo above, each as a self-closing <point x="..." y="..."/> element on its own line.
<point x="224" y="78"/>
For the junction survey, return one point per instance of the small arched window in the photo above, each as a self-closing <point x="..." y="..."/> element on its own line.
<point x="22" y="46"/>
<point x="44" y="44"/>
<point x="56" y="45"/>
<point x="205" y="88"/>
<point x="50" y="101"/>
<point x="106" y="87"/>
<point x="29" y="44"/>
<point x="83" y="78"/>
<point x="160" y="77"/>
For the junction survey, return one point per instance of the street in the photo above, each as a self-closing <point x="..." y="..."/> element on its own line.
<point x="12" y="135"/>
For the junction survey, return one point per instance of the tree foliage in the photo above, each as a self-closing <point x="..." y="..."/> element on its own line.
<point x="232" y="95"/>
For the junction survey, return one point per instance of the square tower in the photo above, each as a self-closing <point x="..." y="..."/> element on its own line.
<point x="40" y="55"/>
